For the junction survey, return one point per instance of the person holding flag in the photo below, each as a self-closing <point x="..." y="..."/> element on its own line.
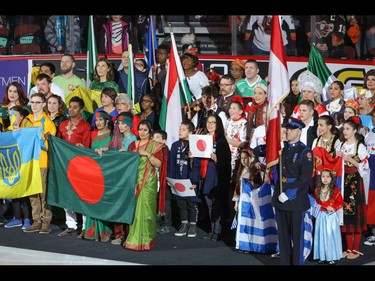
<point x="41" y="211"/>
<point x="290" y="198"/>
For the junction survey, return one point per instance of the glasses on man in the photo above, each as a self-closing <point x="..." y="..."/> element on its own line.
<point x="225" y="85"/>
<point x="36" y="102"/>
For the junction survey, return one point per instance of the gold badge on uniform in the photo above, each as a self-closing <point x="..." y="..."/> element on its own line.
<point x="309" y="156"/>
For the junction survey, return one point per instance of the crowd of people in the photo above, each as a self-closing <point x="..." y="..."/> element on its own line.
<point x="233" y="182"/>
<point x="336" y="36"/>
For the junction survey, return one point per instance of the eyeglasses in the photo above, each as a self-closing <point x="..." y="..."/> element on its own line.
<point x="225" y="85"/>
<point x="235" y="69"/>
<point x="36" y="102"/>
<point x="121" y="103"/>
<point x="146" y="100"/>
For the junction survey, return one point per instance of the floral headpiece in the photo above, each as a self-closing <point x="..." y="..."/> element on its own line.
<point x="365" y="93"/>
<point x="238" y="99"/>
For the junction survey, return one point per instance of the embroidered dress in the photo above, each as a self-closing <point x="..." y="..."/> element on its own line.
<point x="235" y="130"/>
<point x="355" y="211"/>
<point x="327" y="235"/>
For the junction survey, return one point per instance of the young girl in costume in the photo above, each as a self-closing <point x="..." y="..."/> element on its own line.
<point x="327" y="235"/>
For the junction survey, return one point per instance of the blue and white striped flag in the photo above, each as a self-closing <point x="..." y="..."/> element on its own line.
<point x="307" y="234"/>
<point x="234" y="223"/>
<point x="256" y="230"/>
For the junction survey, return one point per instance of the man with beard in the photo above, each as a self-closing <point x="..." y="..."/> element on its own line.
<point x="67" y="80"/>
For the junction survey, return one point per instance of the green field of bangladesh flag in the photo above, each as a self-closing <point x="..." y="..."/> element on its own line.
<point x="102" y="187"/>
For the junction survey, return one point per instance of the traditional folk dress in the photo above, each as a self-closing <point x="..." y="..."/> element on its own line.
<point x="355" y="210"/>
<point x="142" y="232"/>
<point x="327" y="235"/>
<point x="235" y="130"/>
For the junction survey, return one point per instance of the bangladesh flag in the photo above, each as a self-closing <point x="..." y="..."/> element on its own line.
<point x="102" y="187"/>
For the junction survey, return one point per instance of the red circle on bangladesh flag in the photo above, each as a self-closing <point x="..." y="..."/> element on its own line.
<point x="201" y="145"/>
<point x="179" y="187"/>
<point x="86" y="178"/>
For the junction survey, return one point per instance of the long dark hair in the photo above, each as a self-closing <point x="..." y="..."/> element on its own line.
<point x="331" y="185"/>
<point x="219" y="131"/>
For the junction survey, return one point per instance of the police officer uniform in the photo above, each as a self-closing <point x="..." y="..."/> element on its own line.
<point x="292" y="202"/>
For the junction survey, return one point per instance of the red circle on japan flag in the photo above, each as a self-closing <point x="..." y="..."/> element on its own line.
<point x="179" y="187"/>
<point x="201" y="145"/>
<point x="86" y="178"/>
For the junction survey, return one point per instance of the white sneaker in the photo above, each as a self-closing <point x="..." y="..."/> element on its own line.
<point x="275" y="255"/>
<point x="370" y="241"/>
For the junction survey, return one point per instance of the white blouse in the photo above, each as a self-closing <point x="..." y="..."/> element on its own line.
<point x="363" y="166"/>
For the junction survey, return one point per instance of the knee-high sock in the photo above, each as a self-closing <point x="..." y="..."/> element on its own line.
<point x="349" y="240"/>
<point x="357" y="240"/>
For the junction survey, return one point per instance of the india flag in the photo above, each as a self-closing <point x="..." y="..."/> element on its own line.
<point x="176" y="94"/>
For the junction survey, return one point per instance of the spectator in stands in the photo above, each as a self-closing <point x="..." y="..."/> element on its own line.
<point x="260" y="38"/>
<point x="329" y="31"/>
<point x="115" y="36"/>
<point x="63" y="34"/>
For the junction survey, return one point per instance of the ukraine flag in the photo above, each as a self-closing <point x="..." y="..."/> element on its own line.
<point x="19" y="163"/>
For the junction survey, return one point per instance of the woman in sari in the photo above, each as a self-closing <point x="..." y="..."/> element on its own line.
<point x="153" y="156"/>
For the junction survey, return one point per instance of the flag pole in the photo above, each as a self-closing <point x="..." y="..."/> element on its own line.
<point x="172" y="35"/>
<point x="153" y="45"/>
<point x="280" y="154"/>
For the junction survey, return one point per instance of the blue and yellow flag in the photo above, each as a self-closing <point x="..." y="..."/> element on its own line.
<point x="19" y="163"/>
